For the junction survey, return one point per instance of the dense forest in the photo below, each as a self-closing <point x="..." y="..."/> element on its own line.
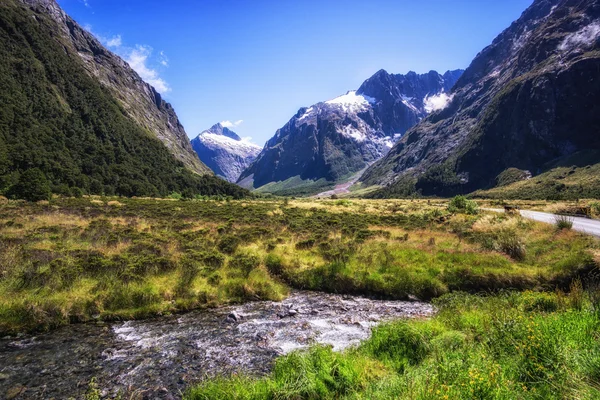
<point x="56" y="118"/>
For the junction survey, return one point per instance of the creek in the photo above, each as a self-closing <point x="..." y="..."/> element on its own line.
<point x="159" y="358"/>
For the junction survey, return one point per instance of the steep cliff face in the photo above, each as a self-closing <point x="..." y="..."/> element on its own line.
<point x="531" y="97"/>
<point x="60" y="123"/>
<point x="339" y="137"/>
<point x="224" y="152"/>
<point x="141" y="101"/>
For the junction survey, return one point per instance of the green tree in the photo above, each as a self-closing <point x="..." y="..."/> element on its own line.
<point x="32" y="186"/>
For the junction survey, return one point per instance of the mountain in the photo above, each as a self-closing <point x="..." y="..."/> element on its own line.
<point x="140" y="100"/>
<point x="83" y="117"/>
<point x="223" y="151"/>
<point x="332" y="140"/>
<point x="528" y="100"/>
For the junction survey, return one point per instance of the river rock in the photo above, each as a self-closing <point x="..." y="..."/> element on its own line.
<point x="233" y="317"/>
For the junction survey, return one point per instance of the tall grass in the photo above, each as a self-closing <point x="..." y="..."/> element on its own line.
<point x="508" y="346"/>
<point x="81" y="259"/>
<point x="563" y="222"/>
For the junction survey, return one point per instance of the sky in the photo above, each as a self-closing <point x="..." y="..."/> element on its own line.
<point x="254" y="63"/>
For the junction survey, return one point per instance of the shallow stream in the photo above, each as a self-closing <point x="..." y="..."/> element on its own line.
<point x="159" y="358"/>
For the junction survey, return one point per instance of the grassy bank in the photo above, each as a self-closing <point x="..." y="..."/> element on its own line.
<point x="72" y="260"/>
<point x="509" y="346"/>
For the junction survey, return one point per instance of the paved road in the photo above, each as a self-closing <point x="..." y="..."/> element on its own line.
<point x="585" y="225"/>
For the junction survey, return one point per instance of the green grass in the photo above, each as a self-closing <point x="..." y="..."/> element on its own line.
<point x="75" y="260"/>
<point x="468" y="253"/>
<point x="296" y="186"/>
<point x="509" y="346"/>
<point x="576" y="177"/>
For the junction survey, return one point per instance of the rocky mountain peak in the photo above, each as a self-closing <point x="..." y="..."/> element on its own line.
<point x="224" y="152"/>
<point x="219" y="129"/>
<point x="527" y="99"/>
<point x="339" y="137"/>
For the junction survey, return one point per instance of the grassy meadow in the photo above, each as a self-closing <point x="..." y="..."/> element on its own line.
<point x="75" y="260"/>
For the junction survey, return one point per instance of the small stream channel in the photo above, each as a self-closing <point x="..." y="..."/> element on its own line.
<point x="159" y="358"/>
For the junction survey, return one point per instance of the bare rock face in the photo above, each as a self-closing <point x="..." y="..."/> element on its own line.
<point x="339" y="137"/>
<point x="531" y="97"/>
<point x="141" y="101"/>
<point x="223" y="151"/>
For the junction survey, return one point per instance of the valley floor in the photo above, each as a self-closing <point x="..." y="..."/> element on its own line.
<point x="77" y="260"/>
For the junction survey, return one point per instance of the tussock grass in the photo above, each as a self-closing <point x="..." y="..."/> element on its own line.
<point x="83" y="259"/>
<point x="563" y="222"/>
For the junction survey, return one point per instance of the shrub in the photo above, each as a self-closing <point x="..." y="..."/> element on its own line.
<point x="399" y="344"/>
<point x="509" y="242"/>
<point x="460" y="204"/>
<point x="189" y="271"/>
<point x="211" y="259"/>
<point x="244" y="263"/>
<point x="228" y="244"/>
<point x="595" y="208"/>
<point x="576" y="295"/>
<point x="274" y="264"/>
<point x="305" y="244"/>
<point x="32" y="186"/>
<point x="544" y="302"/>
<point x="343" y="203"/>
<point x="562" y="222"/>
<point x="77" y="192"/>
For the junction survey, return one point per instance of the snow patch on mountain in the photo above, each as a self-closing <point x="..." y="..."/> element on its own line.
<point x="408" y="102"/>
<point x="223" y="151"/>
<point x="351" y="132"/>
<point x="306" y="113"/>
<point x="584" y="37"/>
<point x="352" y="101"/>
<point x="437" y="102"/>
<point x="239" y="147"/>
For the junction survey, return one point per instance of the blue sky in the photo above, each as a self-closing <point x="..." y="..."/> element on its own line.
<point x="255" y="62"/>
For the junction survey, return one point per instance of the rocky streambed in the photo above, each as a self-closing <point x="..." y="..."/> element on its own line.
<point x="159" y="358"/>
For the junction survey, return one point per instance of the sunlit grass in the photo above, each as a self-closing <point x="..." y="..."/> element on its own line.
<point x="76" y="260"/>
<point x="509" y="346"/>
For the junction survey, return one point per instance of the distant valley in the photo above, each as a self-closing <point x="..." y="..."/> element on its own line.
<point x="330" y="141"/>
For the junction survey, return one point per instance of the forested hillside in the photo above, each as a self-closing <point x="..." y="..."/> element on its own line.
<point x="57" y="118"/>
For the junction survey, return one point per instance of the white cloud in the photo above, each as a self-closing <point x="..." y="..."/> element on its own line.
<point x="582" y="38"/>
<point x="229" y="124"/>
<point x="164" y="60"/>
<point x="437" y="102"/>
<point x="115" y="41"/>
<point x="137" y="59"/>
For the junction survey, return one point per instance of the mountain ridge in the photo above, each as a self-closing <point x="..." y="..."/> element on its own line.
<point x="526" y="99"/>
<point x="334" y="139"/>
<point x="61" y="121"/>
<point x="141" y="100"/>
<point x="224" y="152"/>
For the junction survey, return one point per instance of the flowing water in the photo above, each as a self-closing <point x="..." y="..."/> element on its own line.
<point x="159" y="358"/>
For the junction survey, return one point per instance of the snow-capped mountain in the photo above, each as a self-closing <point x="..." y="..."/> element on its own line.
<point x="528" y="99"/>
<point x="337" y="138"/>
<point x="223" y="151"/>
